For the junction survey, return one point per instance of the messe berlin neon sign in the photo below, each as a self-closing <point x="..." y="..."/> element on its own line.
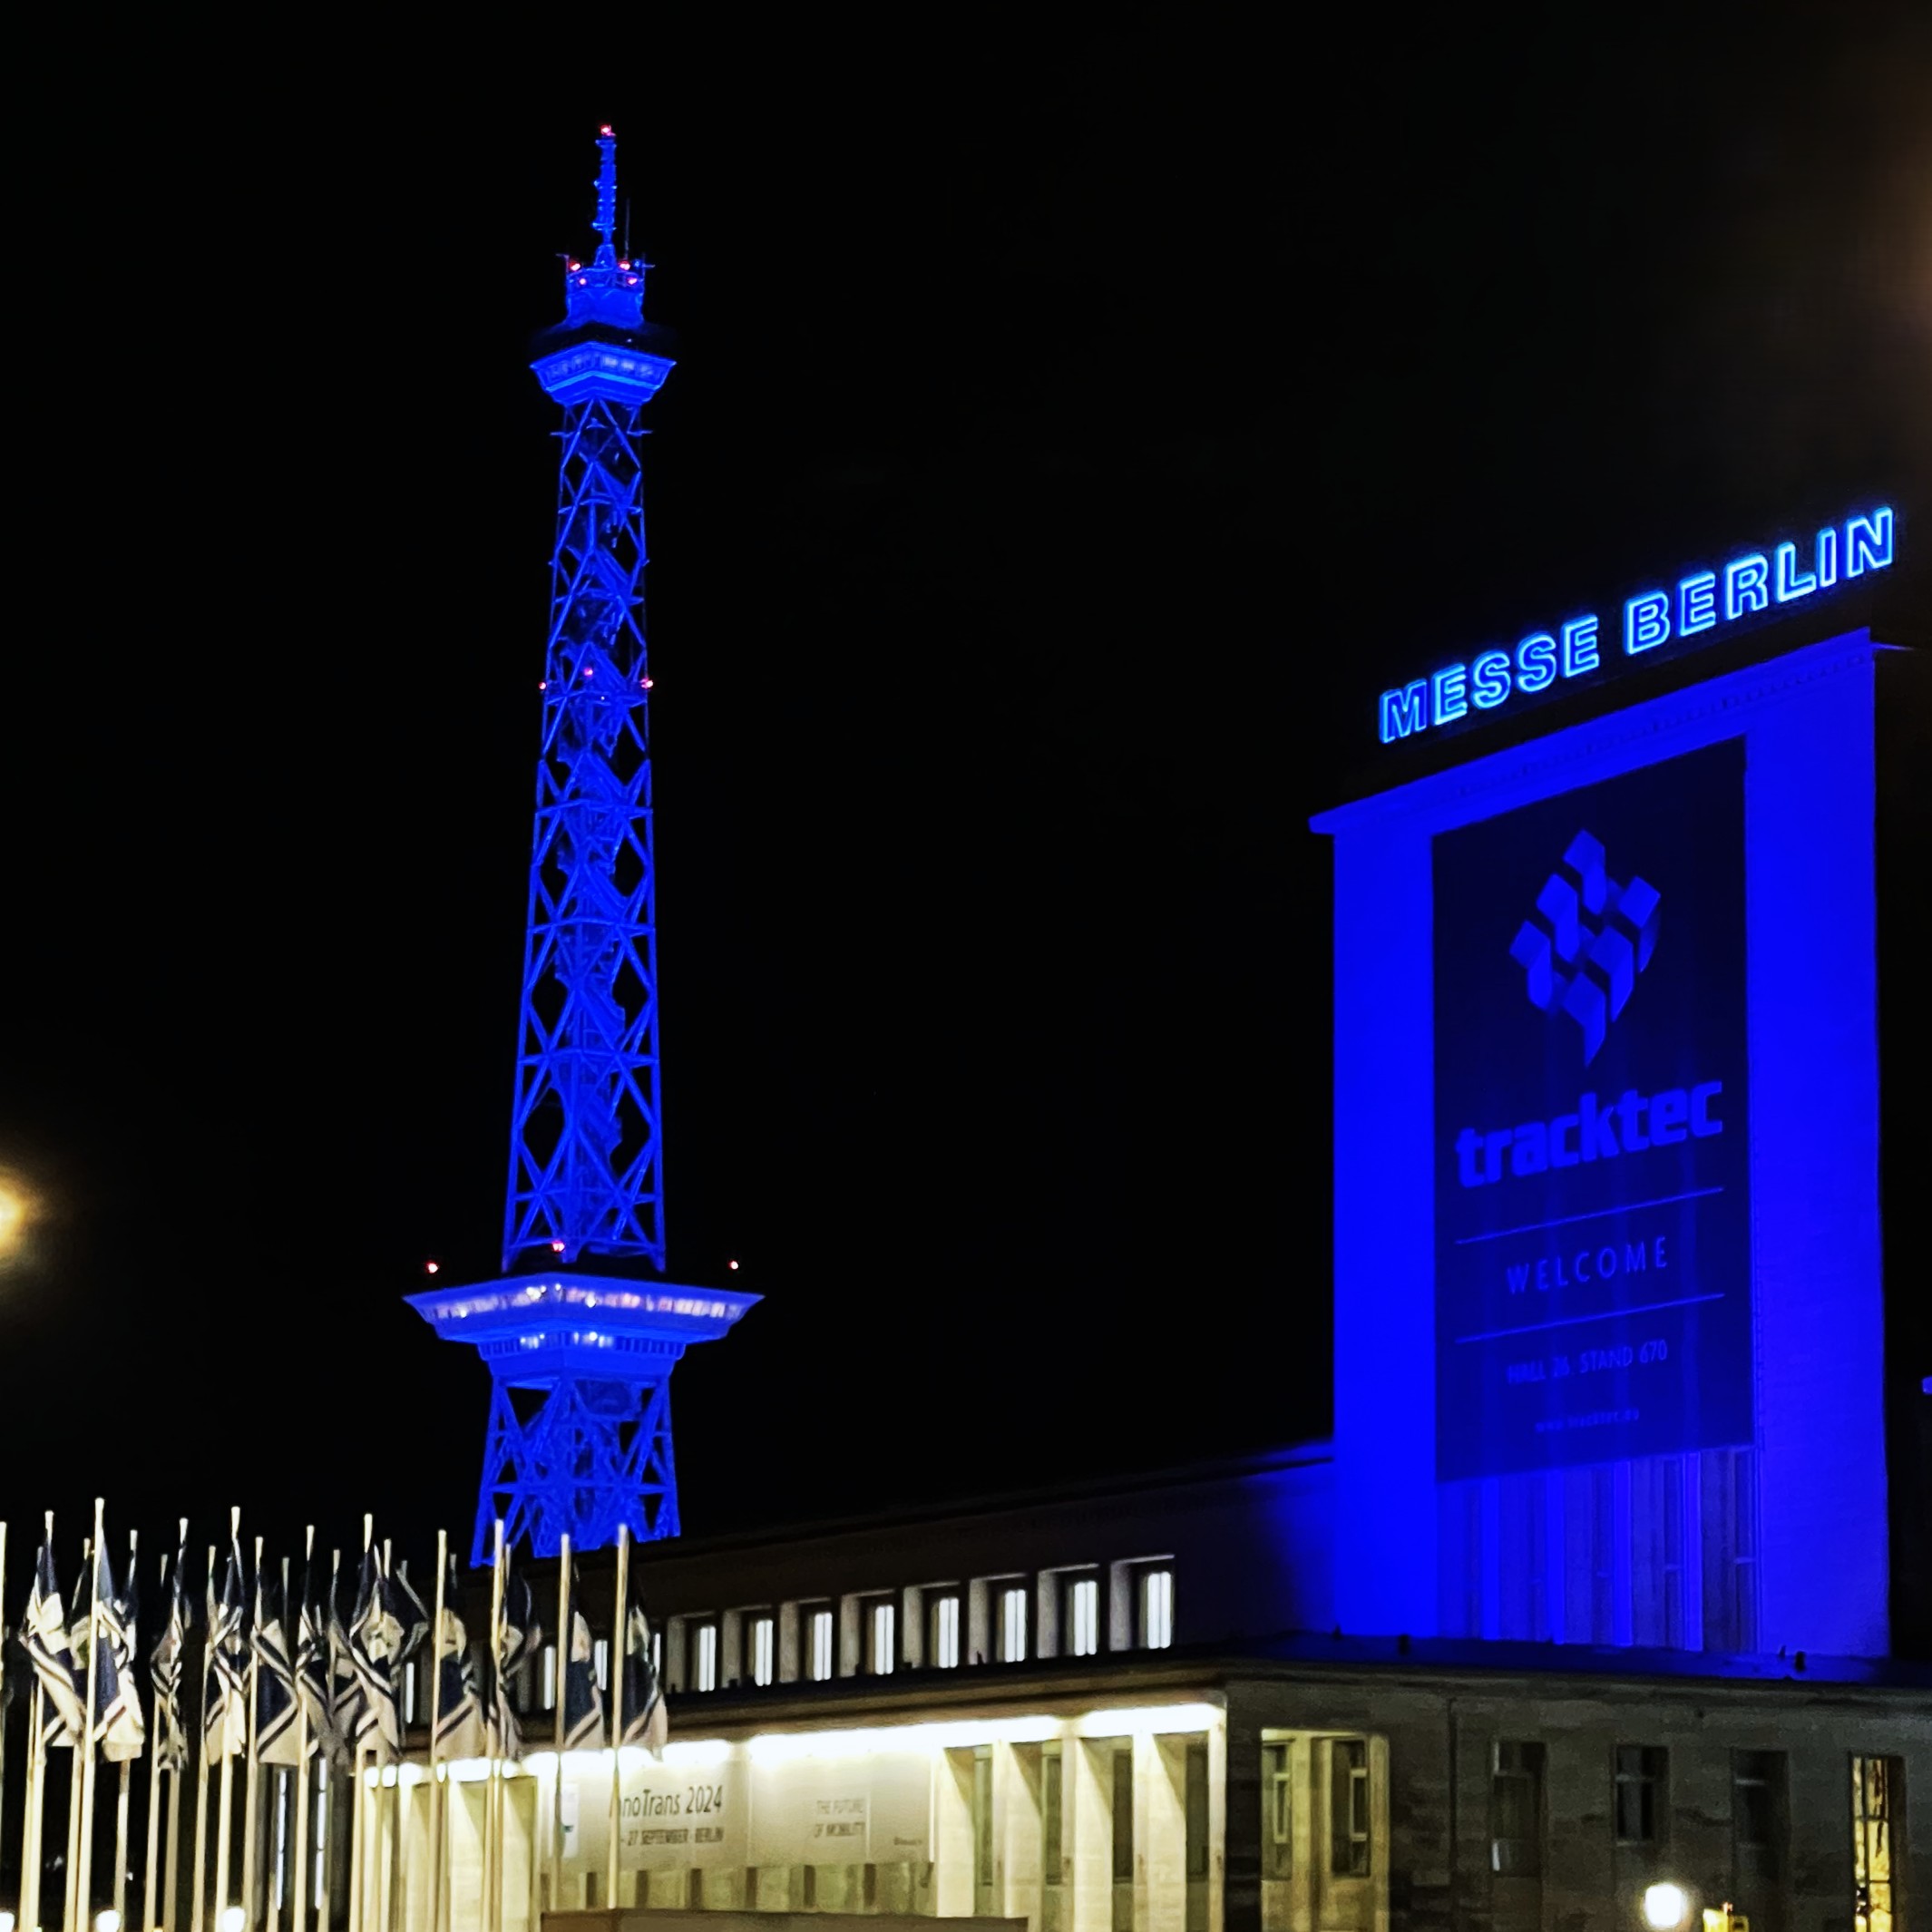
<point x="1746" y="587"/>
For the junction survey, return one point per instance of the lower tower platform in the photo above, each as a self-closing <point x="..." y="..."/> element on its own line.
<point x="579" y="1432"/>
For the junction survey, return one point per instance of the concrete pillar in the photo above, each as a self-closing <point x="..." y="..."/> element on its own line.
<point x="1236" y="1814"/>
<point x="519" y="1865"/>
<point x="1234" y="1804"/>
<point x="978" y="1644"/>
<point x="1047" y="1639"/>
<point x="1160" y="1834"/>
<point x="416" y="1857"/>
<point x="790" y="1670"/>
<point x="1016" y="1831"/>
<point x="1087" y="1843"/>
<point x="953" y="1845"/>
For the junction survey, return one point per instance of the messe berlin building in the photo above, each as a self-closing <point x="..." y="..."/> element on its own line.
<point x="1612" y="1573"/>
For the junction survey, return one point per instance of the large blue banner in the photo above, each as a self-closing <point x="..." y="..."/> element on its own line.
<point x="1592" y="1226"/>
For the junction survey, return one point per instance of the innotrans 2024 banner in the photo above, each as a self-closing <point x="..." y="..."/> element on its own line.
<point x="1593" y="1227"/>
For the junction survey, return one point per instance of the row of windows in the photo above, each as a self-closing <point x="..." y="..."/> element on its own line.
<point x="1640" y="1813"/>
<point x="1639" y="1804"/>
<point x="1060" y="1613"/>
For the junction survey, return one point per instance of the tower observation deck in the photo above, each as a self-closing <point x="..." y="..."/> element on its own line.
<point x="578" y="1439"/>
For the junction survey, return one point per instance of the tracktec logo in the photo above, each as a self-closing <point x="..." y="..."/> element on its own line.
<point x="1629" y="1123"/>
<point x="1591" y="936"/>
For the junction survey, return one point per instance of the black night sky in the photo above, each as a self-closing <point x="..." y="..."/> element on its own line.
<point x="1079" y="417"/>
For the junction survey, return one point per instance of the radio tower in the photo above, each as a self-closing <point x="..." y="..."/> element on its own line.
<point x="579" y="1433"/>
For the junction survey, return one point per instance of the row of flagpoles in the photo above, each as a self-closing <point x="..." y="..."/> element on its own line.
<point x="330" y="1703"/>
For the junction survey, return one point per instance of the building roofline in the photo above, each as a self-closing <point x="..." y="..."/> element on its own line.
<point x="1299" y="1455"/>
<point x="1206" y="1673"/>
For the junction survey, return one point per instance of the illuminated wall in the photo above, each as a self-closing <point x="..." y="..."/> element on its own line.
<point x="1718" y="1486"/>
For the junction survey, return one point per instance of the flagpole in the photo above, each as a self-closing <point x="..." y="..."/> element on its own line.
<point x="172" y="1876"/>
<point x="251" y="1763"/>
<point x="323" y="1765"/>
<point x="394" y="1830"/>
<point x="301" y="1735"/>
<point x="84" y="1866"/>
<point x="271" y="1887"/>
<point x="3" y="1681"/>
<point x="499" y="1691"/>
<point x="121" y="1804"/>
<point x="358" y="1858"/>
<point x="620" y="1642"/>
<point x="563" y="1679"/>
<point x="435" y="1719"/>
<point x="150" y="1919"/>
<point x="172" y="1879"/>
<point x="30" y="1825"/>
<point x="224" y="1822"/>
<point x="199" y="1906"/>
<point x="72" y="1869"/>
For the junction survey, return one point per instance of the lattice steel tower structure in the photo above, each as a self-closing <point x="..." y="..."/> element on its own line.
<point x="579" y="1431"/>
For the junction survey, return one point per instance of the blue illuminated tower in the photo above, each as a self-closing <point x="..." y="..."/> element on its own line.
<point x="579" y="1431"/>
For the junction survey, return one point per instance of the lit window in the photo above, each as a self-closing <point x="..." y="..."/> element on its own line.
<point x="409" y="1694"/>
<point x="1641" y="1770"/>
<point x="1349" y="1807"/>
<point x="1872" y="1779"/>
<point x="882" y="1630"/>
<point x="946" y="1631"/>
<point x="704" y="1657"/>
<point x="1156" y="1609"/>
<point x="1083" y="1617"/>
<point x="1277" y="1810"/>
<point x="762" y="1649"/>
<point x="820" y="1629"/>
<point x="550" y="1678"/>
<point x="1013" y="1625"/>
<point x="600" y="1663"/>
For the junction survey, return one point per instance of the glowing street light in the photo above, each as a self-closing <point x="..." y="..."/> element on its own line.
<point x="1665" y="1907"/>
<point x="15" y="1210"/>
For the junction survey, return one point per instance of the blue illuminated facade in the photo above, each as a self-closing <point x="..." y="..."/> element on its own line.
<point x="580" y="1434"/>
<point x="1509" y="1461"/>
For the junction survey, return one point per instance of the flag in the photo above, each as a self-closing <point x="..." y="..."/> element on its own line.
<point x="411" y="1615"/>
<point x="459" y="1709"/>
<point x="45" y="1636"/>
<point x="224" y="1685"/>
<point x="275" y="1729"/>
<point x="518" y="1640"/>
<point x="344" y="1697"/>
<point x="376" y="1636"/>
<point x="312" y="1661"/>
<point x="165" y="1664"/>
<point x="118" y="1727"/>
<point x="644" y="1720"/>
<point x="584" y="1704"/>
